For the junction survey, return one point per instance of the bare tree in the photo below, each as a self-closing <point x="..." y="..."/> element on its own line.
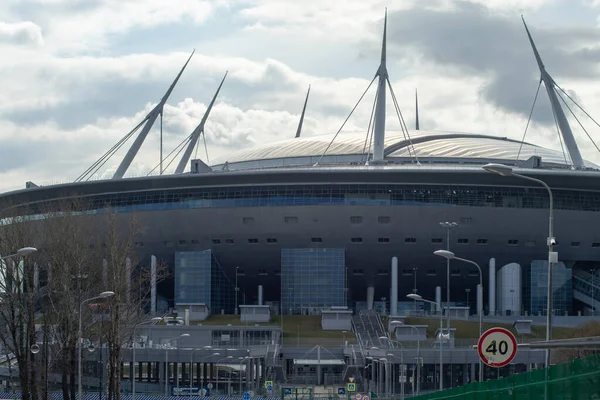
<point x="589" y="329"/>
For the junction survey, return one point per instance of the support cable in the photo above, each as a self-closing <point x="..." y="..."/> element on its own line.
<point x="529" y="119"/>
<point x="577" y="119"/>
<point x="369" y="135"/>
<point x="403" y="126"/>
<point x="346" y="120"/>
<point x="106" y="156"/>
<point x="180" y="146"/>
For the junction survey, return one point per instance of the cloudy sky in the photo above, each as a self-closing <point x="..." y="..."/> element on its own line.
<point x="77" y="75"/>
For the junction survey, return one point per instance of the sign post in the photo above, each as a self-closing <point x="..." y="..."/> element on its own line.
<point x="497" y="347"/>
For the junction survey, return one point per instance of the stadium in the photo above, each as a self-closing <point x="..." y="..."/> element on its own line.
<point x="317" y="220"/>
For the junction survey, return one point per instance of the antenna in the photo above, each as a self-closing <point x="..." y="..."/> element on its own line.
<point x="193" y="139"/>
<point x="379" y="129"/>
<point x="299" y="130"/>
<point x="561" y="119"/>
<point x="150" y="119"/>
<point x="416" y="111"/>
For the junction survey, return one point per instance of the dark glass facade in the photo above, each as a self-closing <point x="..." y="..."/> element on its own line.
<point x="200" y="279"/>
<point x="536" y="287"/>
<point x="312" y="279"/>
<point x="348" y="194"/>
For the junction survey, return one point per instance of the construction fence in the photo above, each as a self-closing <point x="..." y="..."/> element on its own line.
<point x="579" y="379"/>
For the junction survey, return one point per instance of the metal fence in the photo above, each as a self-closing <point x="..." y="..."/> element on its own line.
<point x="579" y="379"/>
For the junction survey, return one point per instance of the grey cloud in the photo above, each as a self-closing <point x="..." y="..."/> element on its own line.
<point x="21" y="33"/>
<point x="472" y="40"/>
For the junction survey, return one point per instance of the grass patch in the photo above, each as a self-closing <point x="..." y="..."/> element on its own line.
<point x="470" y="329"/>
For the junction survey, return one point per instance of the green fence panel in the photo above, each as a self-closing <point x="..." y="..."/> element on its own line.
<point x="579" y="379"/>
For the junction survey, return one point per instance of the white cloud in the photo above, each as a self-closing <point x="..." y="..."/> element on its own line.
<point x="21" y="33"/>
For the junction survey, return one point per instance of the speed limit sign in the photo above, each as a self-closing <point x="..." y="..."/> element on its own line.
<point x="497" y="347"/>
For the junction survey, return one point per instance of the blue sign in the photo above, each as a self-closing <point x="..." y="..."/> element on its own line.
<point x="287" y="391"/>
<point x="269" y="386"/>
<point x="246" y="396"/>
<point x="341" y="391"/>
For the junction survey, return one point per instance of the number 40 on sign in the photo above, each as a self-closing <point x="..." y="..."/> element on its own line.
<point x="497" y="347"/>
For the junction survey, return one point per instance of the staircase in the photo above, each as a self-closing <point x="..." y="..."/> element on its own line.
<point x="274" y="365"/>
<point x="368" y="329"/>
<point x="586" y="288"/>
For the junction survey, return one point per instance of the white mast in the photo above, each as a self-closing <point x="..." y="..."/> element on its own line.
<point x="299" y="130"/>
<point x="379" y="134"/>
<point x="561" y="119"/>
<point x="150" y="119"/>
<point x="416" y="111"/>
<point x="196" y="133"/>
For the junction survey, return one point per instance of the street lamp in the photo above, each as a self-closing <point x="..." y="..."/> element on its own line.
<point x="217" y="365"/>
<point x="504" y="170"/>
<point x="237" y="289"/>
<point x="399" y="323"/>
<point x="102" y="295"/>
<point x="401" y="361"/>
<point x="448" y="226"/>
<point x="593" y="272"/>
<point x="451" y="256"/>
<point x="192" y="366"/>
<point x="167" y="361"/>
<point x="417" y="297"/>
<point x="155" y="319"/>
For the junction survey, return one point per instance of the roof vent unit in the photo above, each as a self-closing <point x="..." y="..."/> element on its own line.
<point x="199" y="167"/>
<point x="533" y="162"/>
<point x="29" y="185"/>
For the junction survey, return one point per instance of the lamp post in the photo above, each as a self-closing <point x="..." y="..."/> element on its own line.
<point x="504" y="170"/>
<point x="155" y="319"/>
<point x="415" y="288"/>
<point x="237" y="289"/>
<point x="451" y="256"/>
<point x="102" y="295"/>
<point x="217" y="365"/>
<point x="441" y="336"/>
<point x="593" y="272"/>
<point x="192" y="365"/>
<point x="418" y="347"/>
<point x="167" y="361"/>
<point x="448" y="226"/>
<point x="401" y="361"/>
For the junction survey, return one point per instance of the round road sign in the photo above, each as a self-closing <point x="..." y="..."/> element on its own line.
<point x="358" y="396"/>
<point x="497" y="347"/>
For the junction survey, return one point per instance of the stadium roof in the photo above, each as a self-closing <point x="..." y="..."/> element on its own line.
<point x="449" y="146"/>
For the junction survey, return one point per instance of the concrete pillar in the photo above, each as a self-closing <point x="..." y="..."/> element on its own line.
<point x="153" y="285"/>
<point x="36" y="275"/>
<point x="370" y="297"/>
<point x="438" y="296"/>
<point x="492" y="287"/>
<point x="260" y="295"/>
<point x="479" y="300"/>
<point x="394" y="294"/>
<point x="128" y="277"/>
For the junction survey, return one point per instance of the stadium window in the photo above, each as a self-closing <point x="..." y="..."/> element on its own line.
<point x="383" y="220"/>
<point x="431" y="272"/>
<point x="271" y="240"/>
<point x="596" y="244"/>
<point x="437" y="240"/>
<point x="513" y="242"/>
<point x="216" y="241"/>
<point x="455" y="272"/>
<point x="530" y="243"/>
<point x="410" y="240"/>
<point x="229" y="241"/>
<point x="183" y="242"/>
<point x="253" y="241"/>
<point x="139" y="244"/>
<point x="168" y="243"/>
<point x="241" y="272"/>
<point x="575" y="244"/>
<point x="278" y="272"/>
<point x="262" y="272"/>
<point x="356" y="220"/>
<point x="195" y="241"/>
<point x="407" y="272"/>
<point x="290" y="220"/>
<point x="316" y="240"/>
<point x="356" y="240"/>
<point x="358" y="272"/>
<point x="473" y="272"/>
<point x="383" y="240"/>
<point x="248" y="220"/>
<point x="462" y="241"/>
<point x="482" y="241"/>
<point x="382" y="272"/>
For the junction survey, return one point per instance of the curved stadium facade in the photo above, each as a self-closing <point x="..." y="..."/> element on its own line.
<point x="320" y="236"/>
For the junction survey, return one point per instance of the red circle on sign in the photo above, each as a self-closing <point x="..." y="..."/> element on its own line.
<point x="492" y="331"/>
